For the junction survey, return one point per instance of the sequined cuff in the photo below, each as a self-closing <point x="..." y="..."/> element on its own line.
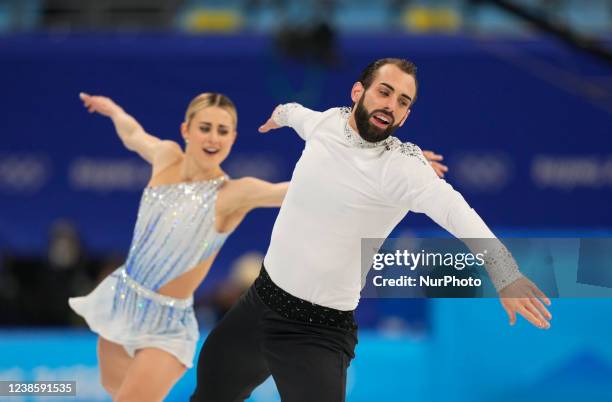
<point x="501" y="267"/>
<point x="282" y="112"/>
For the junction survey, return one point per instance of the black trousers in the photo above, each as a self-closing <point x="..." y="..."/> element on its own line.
<point x="306" y="349"/>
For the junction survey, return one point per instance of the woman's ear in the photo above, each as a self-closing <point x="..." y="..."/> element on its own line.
<point x="184" y="131"/>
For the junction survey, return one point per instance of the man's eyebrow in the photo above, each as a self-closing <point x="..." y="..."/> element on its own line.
<point x="393" y="89"/>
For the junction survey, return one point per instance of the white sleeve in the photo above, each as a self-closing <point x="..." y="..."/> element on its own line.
<point x="411" y="181"/>
<point x="296" y="116"/>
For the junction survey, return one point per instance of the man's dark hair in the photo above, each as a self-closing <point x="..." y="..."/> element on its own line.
<point x="367" y="75"/>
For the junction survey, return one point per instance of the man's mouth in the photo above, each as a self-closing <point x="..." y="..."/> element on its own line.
<point x="381" y="120"/>
<point x="210" y="150"/>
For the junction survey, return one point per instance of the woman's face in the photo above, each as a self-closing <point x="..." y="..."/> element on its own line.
<point x="210" y="135"/>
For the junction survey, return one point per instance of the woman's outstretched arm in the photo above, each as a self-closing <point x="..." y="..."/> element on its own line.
<point x="131" y="133"/>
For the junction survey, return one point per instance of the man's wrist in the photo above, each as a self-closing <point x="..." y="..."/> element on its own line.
<point x="282" y="113"/>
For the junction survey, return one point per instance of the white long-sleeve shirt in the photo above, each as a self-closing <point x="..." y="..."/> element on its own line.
<point x="344" y="189"/>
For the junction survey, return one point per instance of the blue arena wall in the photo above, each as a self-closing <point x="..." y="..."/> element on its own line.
<point x="524" y="124"/>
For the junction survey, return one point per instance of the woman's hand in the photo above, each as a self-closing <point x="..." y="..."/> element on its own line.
<point x="100" y="104"/>
<point x="434" y="160"/>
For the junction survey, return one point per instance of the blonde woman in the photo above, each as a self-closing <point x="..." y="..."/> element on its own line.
<point x="143" y="311"/>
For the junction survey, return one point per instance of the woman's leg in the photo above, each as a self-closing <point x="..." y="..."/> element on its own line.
<point x="150" y="376"/>
<point x="114" y="363"/>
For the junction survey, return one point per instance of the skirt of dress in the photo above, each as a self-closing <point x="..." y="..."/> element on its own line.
<point x="123" y="311"/>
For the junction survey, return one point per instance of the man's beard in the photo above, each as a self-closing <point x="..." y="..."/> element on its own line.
<point x="369" y="131"/>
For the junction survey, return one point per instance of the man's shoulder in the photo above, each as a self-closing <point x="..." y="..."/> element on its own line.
<point x="404" y="151"/>
<point x="327" y="119"/>
<point x="336" y="111"/>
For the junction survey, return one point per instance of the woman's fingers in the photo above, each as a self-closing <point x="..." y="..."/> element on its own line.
<point x="432" y="156"/>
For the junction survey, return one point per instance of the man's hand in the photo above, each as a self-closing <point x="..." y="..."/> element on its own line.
<point x="523" y="296"/>
<point x="434" y="159"/>
<point x="268" y="125"/>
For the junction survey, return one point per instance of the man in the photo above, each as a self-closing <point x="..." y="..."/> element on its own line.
<point x="353" y="181"/>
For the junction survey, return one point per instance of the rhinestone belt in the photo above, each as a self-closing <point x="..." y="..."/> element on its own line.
<point x="127" y="281"/>
<point x="294" y="308"/>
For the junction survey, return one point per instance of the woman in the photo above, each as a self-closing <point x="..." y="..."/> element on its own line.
<point x="143" y="311"/>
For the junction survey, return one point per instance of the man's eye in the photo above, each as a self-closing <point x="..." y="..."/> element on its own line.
<point x="384" y="93"/>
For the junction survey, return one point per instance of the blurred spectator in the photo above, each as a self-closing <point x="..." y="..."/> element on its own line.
<point x="19" y="15"/>
<point x="34" y="289"/>
<point x="58" y="277"/>
<point x="243" y="273"/>
<point x="205" y="16"/>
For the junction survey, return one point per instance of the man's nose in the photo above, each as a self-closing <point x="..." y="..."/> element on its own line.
<point x="389" y="106"/>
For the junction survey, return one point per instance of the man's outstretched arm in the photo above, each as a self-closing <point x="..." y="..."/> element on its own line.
<point x="293" y="115"/>
<point x="303" y="120"/>
<point x="426" y="193"/>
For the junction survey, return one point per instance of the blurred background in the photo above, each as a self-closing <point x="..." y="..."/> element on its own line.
<point x="516" y="94"/>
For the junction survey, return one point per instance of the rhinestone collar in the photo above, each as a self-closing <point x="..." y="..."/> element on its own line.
<point x="191" y="184"/>
<point x="353" y="138"/>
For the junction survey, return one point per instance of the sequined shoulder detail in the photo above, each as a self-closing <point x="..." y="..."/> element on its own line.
<point x="405" y="148"/>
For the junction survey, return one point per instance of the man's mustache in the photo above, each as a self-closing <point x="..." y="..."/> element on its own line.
<point x="381" y="111"/>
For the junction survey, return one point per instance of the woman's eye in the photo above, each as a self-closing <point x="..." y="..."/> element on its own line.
<point x="223" y="132"/>
<point x="205" y="129"/>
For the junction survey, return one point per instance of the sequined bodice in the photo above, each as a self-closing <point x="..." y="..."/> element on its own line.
<point x="175" y="231"/>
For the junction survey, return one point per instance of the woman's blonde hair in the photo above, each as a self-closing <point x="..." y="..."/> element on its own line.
<point x="209" y="99"/>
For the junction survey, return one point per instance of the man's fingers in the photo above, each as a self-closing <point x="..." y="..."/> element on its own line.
<point x="543" y="310"/>
<point x="539" y="294"/>
<point x="511" y="315"/>
<point x="522" y="310"/>
<point x="535" y="311"/>
<point x="531" y="317"/>
<point x="267" y="126"/>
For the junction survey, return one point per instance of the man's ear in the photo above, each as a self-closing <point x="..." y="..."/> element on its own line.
<point x="357" y="91"/>
<point x="404" y="118"/>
